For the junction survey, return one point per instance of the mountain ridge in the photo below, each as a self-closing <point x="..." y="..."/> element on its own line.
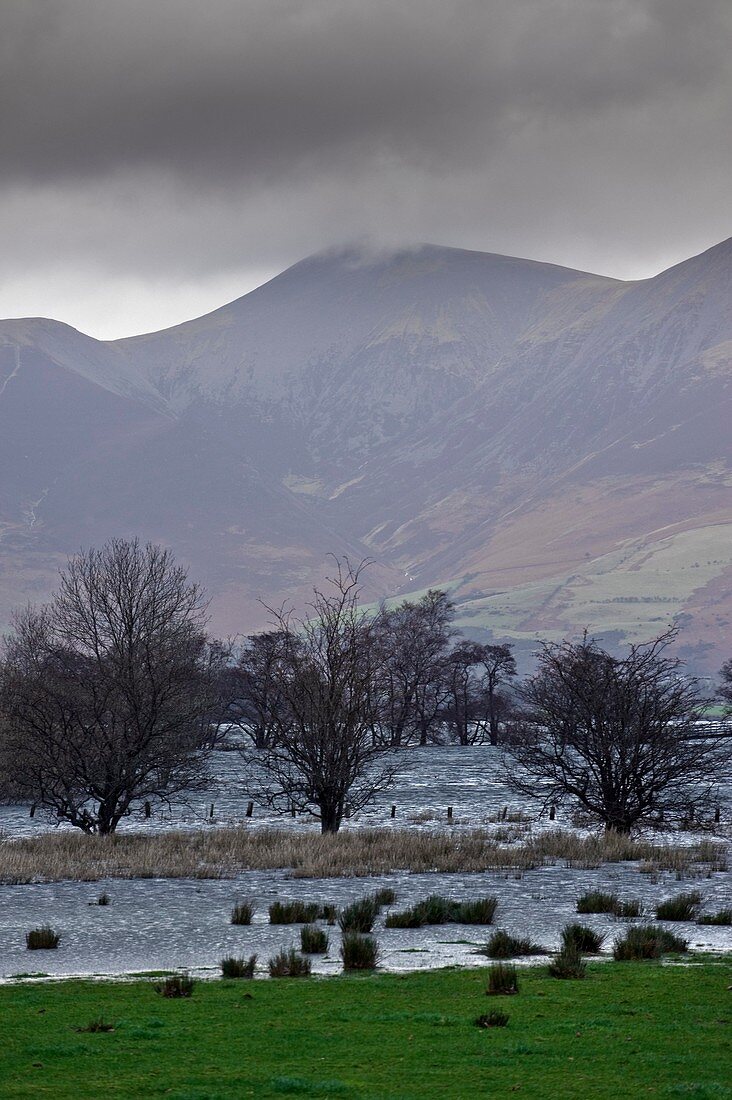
<point x="521" y="432"/>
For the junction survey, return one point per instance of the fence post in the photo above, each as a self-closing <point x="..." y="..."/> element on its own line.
<point x="449" y="813"/>
<point x="393" y="811"/>
<point x="250" y="809"/>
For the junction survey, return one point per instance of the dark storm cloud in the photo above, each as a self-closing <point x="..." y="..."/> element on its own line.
<point x="149" y="138"/>
<point x="238" y="91"/>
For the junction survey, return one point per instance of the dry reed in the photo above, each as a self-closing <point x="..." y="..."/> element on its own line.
<point x="223" y="853"/>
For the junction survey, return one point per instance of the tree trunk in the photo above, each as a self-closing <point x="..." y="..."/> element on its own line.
<point x="330" y="818"/>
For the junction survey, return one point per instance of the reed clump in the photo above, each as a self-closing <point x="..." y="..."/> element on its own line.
<point x="242" y="912"/>
<point x="502" y="980"/>
<point x="503" y="946"/>
<point x="359" y="951"/>
<point x="648" y="941"/>
<point x="224" y="853"/>
<point x="597" y="901"/>
<point x="568" y="963"/>
<point x="313" y="940"/>
<point x="721" y="917"/>
<point x="289" y="964"/>
<point x="233" y="967"/>
<point x="440" y="910"/>
<point x="680" y="907"/>
<point x="177" y="985"/>
<point x="581" y="938"/>
<point x="42" y="939"/>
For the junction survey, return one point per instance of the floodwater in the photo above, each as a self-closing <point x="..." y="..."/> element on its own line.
<point x="433" y="779"/>
<point x="161" y="924"/>
<point x="153" y="924"/>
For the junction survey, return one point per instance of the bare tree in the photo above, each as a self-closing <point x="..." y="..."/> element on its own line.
<point x="614" y="735"/>
<point x="325" y="753"/>
<point x="414" y="637"/>
<point x="497" y="666"/>
<point x="105" y="693"/>
<point x="252" y="685"/>
<point x="725" y="691"/>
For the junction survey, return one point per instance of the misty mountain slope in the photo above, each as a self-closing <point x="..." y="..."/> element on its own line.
<point x="553" y="445"/>
<point x="360" y="351"/>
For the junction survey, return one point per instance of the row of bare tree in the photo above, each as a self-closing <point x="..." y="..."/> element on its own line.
<point x="112" y="695"/>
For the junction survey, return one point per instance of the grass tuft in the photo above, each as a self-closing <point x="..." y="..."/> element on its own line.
<point x="238" y="967"/>
<point x="242" y="913"/>
<point x="722" y="916"/>
<point x="313" y="940"/>
<point x="359" y="916"/>
<point x="176" y="985"/>
<point x="648" y="941"/>
<point x="597" y="901"/>
<point x="98" y="1025"/>
<point x="585" y="939"/>
<point x="42" y="939"/>
<point x="681" y="907"/>
<point x="437" y="909"/>
<point x="289" y="964"/>
<point x="492" y="1019"/>
<point x="502" y="979"/>
<point x="503" y="946"/>
<point x="568" y="963"/>
<point x="359" y="952"/>
<point x="293" y="912"/>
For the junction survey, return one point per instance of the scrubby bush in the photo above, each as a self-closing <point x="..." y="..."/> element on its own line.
<point x="42" y="939"/>
<point x="293" y="912"/>
<point x="682" y="907"/>
<point x="597" y="901"/>
<point x="238" y="967"/>
<point x="359" y="952"/>
<point x="329" y="913"/>
<point x="289" y="964"/>
<point x="103" y="899"/>
<point x="648" y="941"/>
<point x="722" y="916"/>
<point x="502" y="979"/>
<point x="242" y="913"/>
<point x="176" y="985"/>
<point x="313" y="940"/>
<point x="503" y="946"/>
<point x="492" y="1019"/>
<point x="585" y="939"/>
<point x="359" y="916"/>
<point x="568" y="963"/>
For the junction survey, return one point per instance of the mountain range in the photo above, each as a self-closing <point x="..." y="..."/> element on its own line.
<point x="553" y="446"/>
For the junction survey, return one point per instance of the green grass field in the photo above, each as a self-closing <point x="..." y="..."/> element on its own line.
<point x="628" y="1030"/>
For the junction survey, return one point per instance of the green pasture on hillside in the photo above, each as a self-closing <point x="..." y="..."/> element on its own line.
<point x="628" y="1030"/>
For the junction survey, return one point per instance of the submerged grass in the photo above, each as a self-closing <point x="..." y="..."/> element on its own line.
<point x="223" y="853"/>
<point x="625" y="1031"/>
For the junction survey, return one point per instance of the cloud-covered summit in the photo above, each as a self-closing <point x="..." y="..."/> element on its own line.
<point x="174" y="145"/>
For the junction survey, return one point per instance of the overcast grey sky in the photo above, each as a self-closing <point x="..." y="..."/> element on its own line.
<point x="160" y="157"/>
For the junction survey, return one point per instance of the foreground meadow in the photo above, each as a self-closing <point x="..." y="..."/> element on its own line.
<point x="628" y="1029"/>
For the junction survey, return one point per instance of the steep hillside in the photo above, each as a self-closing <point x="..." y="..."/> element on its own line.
<point x="552" y="445"/>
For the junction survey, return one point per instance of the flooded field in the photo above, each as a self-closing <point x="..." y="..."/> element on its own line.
<point x="433" y="779"/>
<point x="153" y="924"/>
